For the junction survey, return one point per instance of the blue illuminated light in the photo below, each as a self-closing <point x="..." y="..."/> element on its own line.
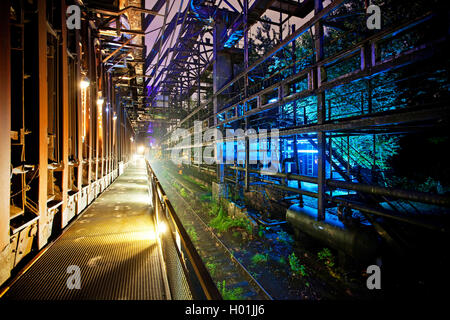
<point x="308" y="151"/>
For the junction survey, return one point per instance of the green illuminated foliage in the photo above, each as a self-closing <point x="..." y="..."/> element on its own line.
<point x="192" y="234"/>
<point x="260" y="258"/>
<point x="296" y="267"/>
<point x="230" y="294"/>
<point x="212" y="267"/>
<point x="327" y="257"/>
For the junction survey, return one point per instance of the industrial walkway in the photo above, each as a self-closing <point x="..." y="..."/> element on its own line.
<point x="114" y="245"/>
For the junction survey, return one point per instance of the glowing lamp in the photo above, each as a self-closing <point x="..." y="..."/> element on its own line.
<point x="162" y="227"/>
<point x="84" y="83"/>
<point x="100" y="101"/>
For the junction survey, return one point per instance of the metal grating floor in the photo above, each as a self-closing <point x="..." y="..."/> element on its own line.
<point x="114" y="245"/>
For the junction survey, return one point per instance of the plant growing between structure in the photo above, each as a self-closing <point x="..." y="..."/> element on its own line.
<point x="261" y="231"/>
<point x="212" y="267"/>
<point x="327" y="257"/>
<point x="296" y="267"/>
<point x="230" y="294"/>
<point x="205" y="197"/>
<point x="260" y="258"/>
<point x="222" y="222"/>
<point x="214" y="208"/>
<point x="284" y="237"/>
<point x="192" y="234"/>
<point x="183" y="193"/>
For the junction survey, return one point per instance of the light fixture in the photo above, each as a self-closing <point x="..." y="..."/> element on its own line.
<point x="100" y="101"/>
<point x="141" y="149"/>
<point x="132" y="139"/>
<point x="84" y="83"/>
<point x="115" y="116"/>
<point x="162" y="227"/>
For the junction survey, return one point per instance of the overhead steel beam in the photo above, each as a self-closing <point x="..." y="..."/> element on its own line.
<point x="114" y="30"/>
<point x="129" y="8"/>
<point x="118" y="49"/>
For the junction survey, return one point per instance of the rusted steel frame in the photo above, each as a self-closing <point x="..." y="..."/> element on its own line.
<point x="122" y="11"/>
<point x="317" y="17"/>
<point x="5" y="123"/>
<point x="43" y="121"/>
<point x="81" y="166"/>
<point x="118" y="49"/>
<point x="135" y="32"/>
<point x="65" y="111"/>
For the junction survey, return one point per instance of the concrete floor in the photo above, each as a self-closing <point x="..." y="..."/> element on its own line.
<point x="113" y="244"/>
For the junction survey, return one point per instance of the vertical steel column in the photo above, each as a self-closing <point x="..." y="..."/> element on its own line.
<point x="89" y="108"/>
<point x="108" y="123"/>
<point x="245" y="47"/>
<point x="95" y="117"/>
<point x="118" y="125"/>
<point x="43" y="123"/>
<point x="79" y="115"/>
<point x="321" y="107"/>
<point x="247" y="141"/>
<point x="219" y="70"/>
<point x="65" y="112"/>
<point x="247" y="163"/>
<point x="5" y="128"/>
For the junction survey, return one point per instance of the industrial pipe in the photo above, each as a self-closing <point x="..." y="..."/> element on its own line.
<point x="390" y="192"/>
<point x="387" y="214"/>
<point x="289" y="176"/>
<point x="357" y="240"/>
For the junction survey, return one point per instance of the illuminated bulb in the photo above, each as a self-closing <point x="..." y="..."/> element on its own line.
<point x="84" y="83"/>
<point x="115" y="117"/>
<point x="162" y="227"/>
<point x="141" y="149"/>
<point x="100" y="102"/>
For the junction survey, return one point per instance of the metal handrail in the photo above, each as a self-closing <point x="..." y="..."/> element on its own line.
<point x="202" y="275"/>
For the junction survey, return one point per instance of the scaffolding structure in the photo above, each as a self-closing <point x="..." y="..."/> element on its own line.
<point x="337" y="94"/>
<point x="340" y="95"/>
<point x="66" y="133"/>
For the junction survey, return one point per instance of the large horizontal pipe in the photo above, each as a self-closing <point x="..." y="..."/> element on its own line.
<point x="358" y="240"/>
<point x="281" y="187"/>
<point x="387" y="214"/>
<point x="294" y="190"/>
<point x="378" y="190"/>
<point x="395" y="193"/>
<point x="289" y="176"/>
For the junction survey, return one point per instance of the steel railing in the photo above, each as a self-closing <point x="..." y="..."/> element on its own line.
<point x="187" y="276"/>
